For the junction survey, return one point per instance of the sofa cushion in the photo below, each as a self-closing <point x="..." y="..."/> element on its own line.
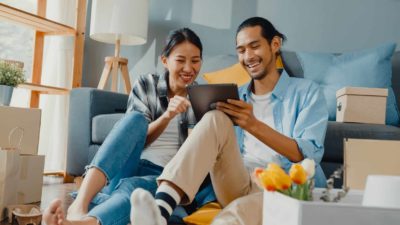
<point x="102" y="125"/>
<point x="366" y="68"/>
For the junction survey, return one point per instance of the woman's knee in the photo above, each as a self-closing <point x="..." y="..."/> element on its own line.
<point x="135" y="120"/>
<point x="128" y="185"/>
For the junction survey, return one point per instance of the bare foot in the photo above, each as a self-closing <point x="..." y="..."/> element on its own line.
<point x="54" y="214"/>
<point x="76" y="212"/>
<point x="144" y="209"/>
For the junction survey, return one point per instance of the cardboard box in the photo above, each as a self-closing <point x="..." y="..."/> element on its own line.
<point x="364" y="157"/>
<point x="361" y="105"/>
<point x="31" y="179"/>
<point x="28" y="120"/>
<point x="280" y="209"/>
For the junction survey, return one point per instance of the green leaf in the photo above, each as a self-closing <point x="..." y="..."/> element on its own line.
<point x="11" y="74"/>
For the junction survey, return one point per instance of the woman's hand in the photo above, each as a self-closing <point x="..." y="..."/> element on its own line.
<point x="176" y="105"/>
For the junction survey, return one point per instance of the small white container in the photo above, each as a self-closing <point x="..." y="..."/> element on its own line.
<point x="280" y="209"/>
<point x="361" y="105"/>
<point x="382" y="191"/>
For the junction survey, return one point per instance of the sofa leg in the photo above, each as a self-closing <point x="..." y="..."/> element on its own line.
<point x="67" y="178"/>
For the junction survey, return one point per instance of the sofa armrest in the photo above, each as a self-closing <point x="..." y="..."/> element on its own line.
<point x="102" y="125"/>
<point x="338" y="131"/>
<point x="86" y="103"/>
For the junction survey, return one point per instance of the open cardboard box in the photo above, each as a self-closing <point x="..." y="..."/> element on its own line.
<point x="363" y="157"/>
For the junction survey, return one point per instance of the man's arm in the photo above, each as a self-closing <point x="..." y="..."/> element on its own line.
<point x="311" y="124"/>
<point x="242" y="114"/>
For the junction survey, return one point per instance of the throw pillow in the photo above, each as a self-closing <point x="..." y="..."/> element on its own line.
<point x="366" y="68"/>
<point x="204" y="215"/>
<point x="234" y="74"/>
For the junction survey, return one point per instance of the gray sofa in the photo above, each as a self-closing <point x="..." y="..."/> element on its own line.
<point x="94" y="112"/>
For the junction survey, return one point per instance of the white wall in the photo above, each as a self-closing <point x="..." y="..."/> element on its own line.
<point x="334" y="25"/>
<point x="310" y="25"/>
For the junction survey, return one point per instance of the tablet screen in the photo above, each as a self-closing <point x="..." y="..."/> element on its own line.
<point x="204" y="96"/>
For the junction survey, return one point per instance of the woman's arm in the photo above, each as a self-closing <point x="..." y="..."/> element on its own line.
<point x="176" y="105"/>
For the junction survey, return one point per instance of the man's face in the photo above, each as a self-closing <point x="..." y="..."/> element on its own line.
<point x="255" y="54"/>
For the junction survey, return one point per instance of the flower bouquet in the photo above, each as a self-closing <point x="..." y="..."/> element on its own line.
<point x="297" y="184"/>
<point x="287" y="200"/>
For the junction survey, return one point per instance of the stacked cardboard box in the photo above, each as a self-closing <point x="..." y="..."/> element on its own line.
<point x="30" y="174"/>
<point x="361" y="105"/>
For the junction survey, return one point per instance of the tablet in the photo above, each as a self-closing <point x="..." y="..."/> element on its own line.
<point x="204" y="96"/>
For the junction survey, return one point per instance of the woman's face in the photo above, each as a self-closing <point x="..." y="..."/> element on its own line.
<point x="183" y="64"/>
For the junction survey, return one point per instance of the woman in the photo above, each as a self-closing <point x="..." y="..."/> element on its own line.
<point x="157" y="117"/>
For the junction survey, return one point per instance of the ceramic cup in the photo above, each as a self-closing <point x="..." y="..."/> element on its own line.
<point x="382" y="191"/>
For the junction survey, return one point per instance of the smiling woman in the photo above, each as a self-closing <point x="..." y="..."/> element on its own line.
<point x="144" y="140"/>
<point x="183" y="65"/>
<point x="182" y="59"/>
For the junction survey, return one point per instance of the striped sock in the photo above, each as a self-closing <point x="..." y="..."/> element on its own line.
<point x="167" y="198"/>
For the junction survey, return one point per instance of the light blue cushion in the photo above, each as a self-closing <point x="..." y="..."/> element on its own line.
<point x="366" y="68"/>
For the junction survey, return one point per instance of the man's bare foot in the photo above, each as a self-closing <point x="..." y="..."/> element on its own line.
<point x="144" y="209"/>
<point x="76" y="212"/>
<point x="54" y="214"/>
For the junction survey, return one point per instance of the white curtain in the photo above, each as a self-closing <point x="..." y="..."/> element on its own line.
<point x="57" y="71"/>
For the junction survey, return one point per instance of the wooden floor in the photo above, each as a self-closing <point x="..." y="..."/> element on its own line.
<point x="51" y="192"/>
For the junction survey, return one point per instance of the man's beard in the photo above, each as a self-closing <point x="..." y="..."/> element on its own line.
<point x="259" y="76"/>
<point x="263" y="73"/>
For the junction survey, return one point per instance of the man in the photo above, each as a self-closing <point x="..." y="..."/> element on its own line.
<point x="280" y="119"/>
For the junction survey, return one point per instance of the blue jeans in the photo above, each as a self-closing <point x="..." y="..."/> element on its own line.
<point x="119" y="159"/>
<point x="114" y="208"/>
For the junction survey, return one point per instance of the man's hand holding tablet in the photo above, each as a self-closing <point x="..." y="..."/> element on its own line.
<point x="204" y="97"/>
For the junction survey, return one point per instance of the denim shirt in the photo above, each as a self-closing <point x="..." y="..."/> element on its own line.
<point x="300" y="112"/>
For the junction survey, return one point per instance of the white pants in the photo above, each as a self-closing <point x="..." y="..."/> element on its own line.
<point x="212" y="148"/>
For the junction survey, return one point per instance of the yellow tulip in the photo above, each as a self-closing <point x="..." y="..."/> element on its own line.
<point x="266" y="181"/>
<point x="274" y="167"/>
<point x="257" y="171"/>
<point x="298" y="174"/>
<point x="281" y="181"/>
<point x="279" y="177"/>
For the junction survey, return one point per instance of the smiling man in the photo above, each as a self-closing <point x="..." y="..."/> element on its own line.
<point x="280" y="119"/>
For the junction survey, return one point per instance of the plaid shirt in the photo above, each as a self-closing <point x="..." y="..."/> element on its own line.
<point x="149" y="96"/>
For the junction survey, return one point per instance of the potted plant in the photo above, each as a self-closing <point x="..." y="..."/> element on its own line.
<point x="10" y="76"/>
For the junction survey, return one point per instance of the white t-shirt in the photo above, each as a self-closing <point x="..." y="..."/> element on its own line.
<point x="256" y="153"/>
<point x="161" y="151"/>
